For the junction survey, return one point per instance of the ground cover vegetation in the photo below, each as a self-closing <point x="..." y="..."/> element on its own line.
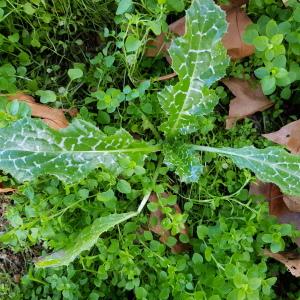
<point x="119" y="178"/>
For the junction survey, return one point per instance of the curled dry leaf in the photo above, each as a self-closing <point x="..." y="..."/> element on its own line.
<point x="289" y="259"/>
<point x="167" y="77"/>
<point x="288" y="136"/>
<point x="159" y="230"/>
<point x="232" y="40"/>
<point x="6" y="190"/>
<point x="54" y="117"/>
<point x="248" y="100"/>
<point x="237" y="22"/>
<point x="278" y="203"/>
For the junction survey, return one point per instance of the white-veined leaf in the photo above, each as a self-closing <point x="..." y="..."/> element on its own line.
<point x="29" y="148"/>
<point x="184" y="160"/>
<point x="199" y="59"/>
<point x="84" y="241"/>
<point x="272" y="164"/>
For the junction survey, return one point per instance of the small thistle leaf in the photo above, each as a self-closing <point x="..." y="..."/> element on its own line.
<point x="29" y="148"/>
<point x="84" y="241"/>
<point x="199" y="59"/>
<point x="184" y="160"/>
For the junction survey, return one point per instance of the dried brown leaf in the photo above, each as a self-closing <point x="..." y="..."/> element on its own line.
<point x="6" y="190"/>
<point x="167" y="77"/>
<point x="289" y="259"/>
<point x="288" y="136"/>
<point x="232" y="40"/>
<point x="292" y="202"/>
<point x="249" y="100"/>
<point x="54" y="117"/>
<point x="237" y="22"/>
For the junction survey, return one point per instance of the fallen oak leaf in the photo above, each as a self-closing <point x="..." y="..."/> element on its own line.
<point x="164" y="234"/>
<point x="232" y="40"/>
<point x="54" y="117"/>
<point x="292" y="202"/>
<point x="238" y="21"/>
<point x="288" y="136"/>
<point x="249" y="100"/>
<point x="289" y="259"/>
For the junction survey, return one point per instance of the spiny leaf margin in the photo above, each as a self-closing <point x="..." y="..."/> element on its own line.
<point x="29" y="148"/>
<point x="199" y="59"/>
<point x="272" y="164"/>
<point x="84" y="241"/>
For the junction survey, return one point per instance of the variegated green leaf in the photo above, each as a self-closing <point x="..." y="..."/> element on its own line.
<point x="184" y="160"/>
<point x="272" y="164"/>
<point x="199" y="59"/>
<point x="29" y="148"/>
<point x="84" y="241"/>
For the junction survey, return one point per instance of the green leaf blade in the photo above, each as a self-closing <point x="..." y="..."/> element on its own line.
<point x="84" y="241"/>
<point x="29" y="148"/>
<point x="199" y="59"/>
<point x="272" y="164"/>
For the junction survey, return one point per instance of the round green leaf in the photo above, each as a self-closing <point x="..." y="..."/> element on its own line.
<point x="124" y="6"/>
<point x="13" y="107"/>
<point x="272" y="28"/>
<point x="295" y="48"/>
<point x="28" y="8"/>
<point x="296" y="14"/>
<point x="286" y="93"/>
<point x="75" y="73"/>
<point x="276" y="247"/>
<point x="268" y="85"/>
<point x="132" y="44"/>
<point x="123" y="186"/>
<point x="277" y="39"/>
<point x="261" y="72"/>
<point x="261" y="43"/>
<point x="197" y="259"/>
<point x="171" y="241"/>
<point x="46" y="96"/>
<point x="269" y="54"/>
<point x="279" y="61"/>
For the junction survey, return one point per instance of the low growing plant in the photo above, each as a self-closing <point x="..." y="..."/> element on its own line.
<point x="275" y="36"/>
<point x="30" y="149"/>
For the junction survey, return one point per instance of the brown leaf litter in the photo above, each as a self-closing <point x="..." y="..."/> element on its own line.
<point x="249" y="99"/>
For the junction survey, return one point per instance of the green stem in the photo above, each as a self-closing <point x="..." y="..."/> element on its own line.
<point x="155" y="176"/>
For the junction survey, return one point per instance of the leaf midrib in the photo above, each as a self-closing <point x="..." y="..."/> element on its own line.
<point x="144" y="149"/>
<point x="192" y="78"/>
